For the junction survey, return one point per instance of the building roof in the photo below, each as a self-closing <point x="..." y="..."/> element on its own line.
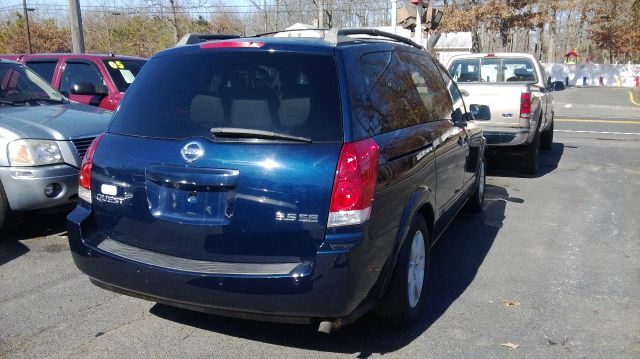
<point x="454" y="40"/>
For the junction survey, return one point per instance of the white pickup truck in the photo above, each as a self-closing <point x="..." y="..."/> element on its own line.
<point x="517" y="91"/>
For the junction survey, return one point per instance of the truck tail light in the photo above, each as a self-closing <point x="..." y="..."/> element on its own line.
<point x="525" y="105"/>
<point x="354" y="184"/>
<point x="84" y="188"/>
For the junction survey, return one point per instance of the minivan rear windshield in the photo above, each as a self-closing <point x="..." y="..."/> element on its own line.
<point x="493" y="69"/>
<point x="187" y="95"/>
<point x="123" y="71"/>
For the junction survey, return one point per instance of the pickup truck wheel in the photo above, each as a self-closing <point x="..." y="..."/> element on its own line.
<point x="531" y="158"/>
<point x="4" y="206"/>
<point x="546" y="140"/>
<point x="404" y="301"/>
<point x="476" y="200"/>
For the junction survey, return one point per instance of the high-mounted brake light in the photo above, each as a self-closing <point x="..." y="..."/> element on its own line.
<point x="84" y="188"/>
<point x="231" y="44"/>
<point x="491" y="55"/>
<point x="354" y="184"/>
<point x="525" y="105"/>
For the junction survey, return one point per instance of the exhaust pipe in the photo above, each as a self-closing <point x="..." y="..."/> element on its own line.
<point x="328" y="326"/>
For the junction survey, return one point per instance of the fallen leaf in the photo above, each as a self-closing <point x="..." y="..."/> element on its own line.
<point x="510" y="345"/>
<point x="509" y="303"/>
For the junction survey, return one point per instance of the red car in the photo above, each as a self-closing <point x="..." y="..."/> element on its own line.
<point x="98" y="80"/>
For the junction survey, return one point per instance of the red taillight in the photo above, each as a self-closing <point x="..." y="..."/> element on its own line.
<point x="354" y="184"/>
<point x="525" y="105"/>
<point x="231" y="44"/>
<point x="84" y="190"/>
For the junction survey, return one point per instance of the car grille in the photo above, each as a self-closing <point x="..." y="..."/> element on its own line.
<point x="81" y="145"/>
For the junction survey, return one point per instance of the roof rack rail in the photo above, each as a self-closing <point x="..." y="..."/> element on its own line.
<point x="347" y="32"/>
<point x="329" y="34"/>
<point x="288" y="30"/>
<point x="378" y="33"/>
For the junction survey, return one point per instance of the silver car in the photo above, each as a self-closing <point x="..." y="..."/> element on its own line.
<point x="43" y="137"/>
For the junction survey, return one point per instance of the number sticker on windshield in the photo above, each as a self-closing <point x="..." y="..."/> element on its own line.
<point x="116" y="65"/>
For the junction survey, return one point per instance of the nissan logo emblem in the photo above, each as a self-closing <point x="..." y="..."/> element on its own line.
<point x="192" y="151"/>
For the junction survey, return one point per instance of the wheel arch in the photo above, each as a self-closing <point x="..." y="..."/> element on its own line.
<point x="422" y="202"/>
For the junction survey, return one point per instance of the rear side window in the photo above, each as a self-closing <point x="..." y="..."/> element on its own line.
<point x="493" y="69"/>
<point x="429" y="84"/>
<point x="186" y="95"/>
<point x="383" y="95"/>
<point x="45" y="69"/>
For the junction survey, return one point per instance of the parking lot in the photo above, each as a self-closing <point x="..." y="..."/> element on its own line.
<point x="550" y="269"/>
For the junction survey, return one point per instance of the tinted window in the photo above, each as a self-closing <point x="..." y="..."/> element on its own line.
<point x="451" y="85"/>
<point x="459" y="108"/>
<point x="493" y="69"/>
<point x="384" y="95"/>
<point x="43" y="68"/>
<point x="185" y="95"/>
<point x="123" y="72"/>
<point x="75" y="72"/>
<point x="428" y="81"/>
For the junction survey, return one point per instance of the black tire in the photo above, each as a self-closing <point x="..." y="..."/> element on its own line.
<point x="4" y="207"/>
<point x="476" y="200"/>
<point x="546" y="139"/>
<point x="532" y="157"/>
<point x="396" y="307"/>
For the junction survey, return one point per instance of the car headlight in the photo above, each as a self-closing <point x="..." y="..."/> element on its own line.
<point x="34" y="153"/>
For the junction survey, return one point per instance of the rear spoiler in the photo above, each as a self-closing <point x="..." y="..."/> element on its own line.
<point x="193" y="38"/>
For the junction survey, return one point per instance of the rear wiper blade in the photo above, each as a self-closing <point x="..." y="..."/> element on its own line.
<point x="248" y="133"/>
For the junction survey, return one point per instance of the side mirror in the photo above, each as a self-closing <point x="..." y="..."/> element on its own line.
<point x="558" y="86"/>
<point x="86" y="88"/>
<point x="480" y="112"/>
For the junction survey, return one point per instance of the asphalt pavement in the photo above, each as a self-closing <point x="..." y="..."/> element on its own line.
<point x="550" y="269"/>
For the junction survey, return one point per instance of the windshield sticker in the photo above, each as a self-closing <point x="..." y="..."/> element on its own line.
<point x="116" y="65"/>
<point x="128" y="76"/>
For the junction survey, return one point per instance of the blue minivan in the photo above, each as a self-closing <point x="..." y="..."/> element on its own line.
<point x="298" y="180"/>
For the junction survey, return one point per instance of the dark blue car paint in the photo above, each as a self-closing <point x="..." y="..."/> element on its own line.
<point x="352" y="265"/>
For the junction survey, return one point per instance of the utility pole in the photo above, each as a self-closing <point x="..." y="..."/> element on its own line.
<point x="174" y="20"/>
<point x="277" y="14"/>
<point x="320" y="14"/>
<point x="26" y="21"/>
<point x="75" y="17"/>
